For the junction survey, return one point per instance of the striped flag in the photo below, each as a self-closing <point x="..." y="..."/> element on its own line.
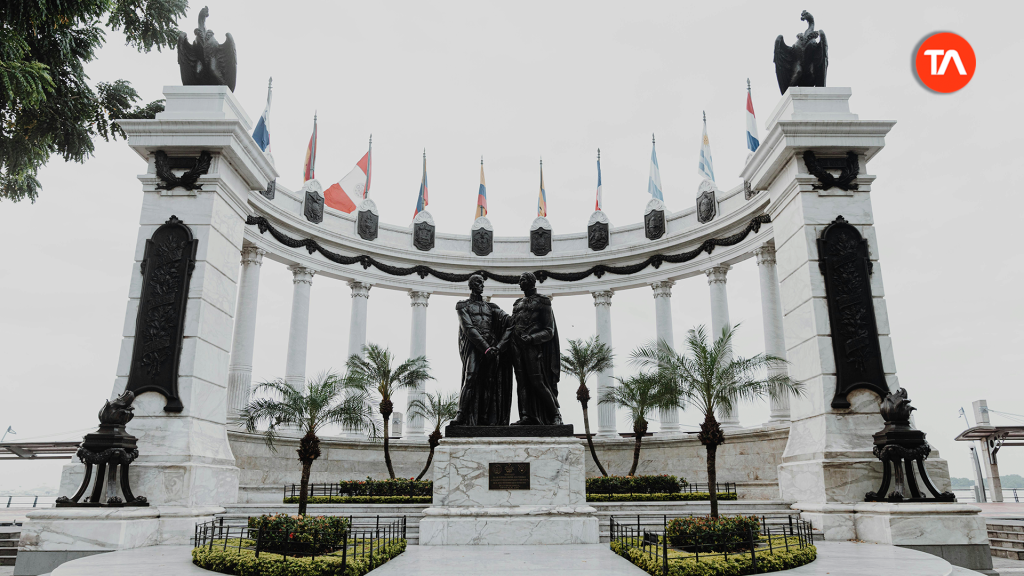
<point x="654" y="180"/>
<point x="307" y="170"/>
<point x="705" y="167"/>
<point x="481" y="197"/>
<point x="542" y="199"/>
<point x="752" y="141"/>
<point x="354" y="185"/>
<point x="597" y="204"/>
<point x="262" y="132"/>
<point x="423" y="200"/>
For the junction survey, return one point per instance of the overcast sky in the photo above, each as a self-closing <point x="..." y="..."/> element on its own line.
<point x="517" y="81"/>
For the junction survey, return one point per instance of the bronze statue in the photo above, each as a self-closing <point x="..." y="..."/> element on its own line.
<point x="806" y="61"/>
<point x="533" y="337"/>
<point x="485" y="398"/>
<point x="207" y="62"/>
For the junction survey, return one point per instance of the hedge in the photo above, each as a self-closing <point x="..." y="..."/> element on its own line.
<point x="362" y="500"/>
<point x="707" y="534"/>
<point x="659" y="484"/>
<point x="389" y="487"/>
<point x="245" y="562"/>
<point x="300" y="534"/>
<point x="674" y="497"/>
<point x="733" y="565"/>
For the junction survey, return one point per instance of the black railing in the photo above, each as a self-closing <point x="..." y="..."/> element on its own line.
<point x="720" y="487"/>
<point x="648" y="534"/>
<point x="361" y="538"/>
<point x="342" y="490"/>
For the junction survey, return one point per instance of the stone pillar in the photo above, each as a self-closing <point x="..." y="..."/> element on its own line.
<point x="771" y="319"/>
<point x="991" y="465"/>
<point x="298" y="329"/>
<point x="663" y="332"/>
<point x="240" y="367"/>
<point x="357" y="330"/>
<point x="606" y="426"/>
<point x="720" y="321"/>
<point x="417" y="348"/>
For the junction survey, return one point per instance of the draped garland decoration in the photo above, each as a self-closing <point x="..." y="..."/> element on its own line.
<point x="423" y="271"/>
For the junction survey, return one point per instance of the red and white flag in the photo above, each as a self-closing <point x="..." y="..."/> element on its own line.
<point x="339" y="196"/>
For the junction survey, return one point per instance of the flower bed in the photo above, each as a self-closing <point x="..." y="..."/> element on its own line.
<point x="300" y="535"/>
<point x="357" y="560"/>
<point x="362" y="500"/>
<point x="671" y="497"/>
<point x="738" y="564"/>
<point x="723" y="534"/>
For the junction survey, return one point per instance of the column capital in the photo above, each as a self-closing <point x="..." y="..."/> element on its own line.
<point x="301" y="274"/>
<point x="360" y="289"/>
<point x="716" y="274"/>
<point x="765" y="254"/>
<point x="602" y="298"/>
<point x="419" y="298"/>
<point x="663" y="289"/>
<point x="252" y="255"/>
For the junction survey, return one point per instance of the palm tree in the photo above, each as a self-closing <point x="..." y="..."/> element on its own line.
<point x="583" y="360"/>
<point x="709" y="379"/>
<point x="322" y="403"/>
<point x="374" y="373"/>
<point x="439" y="409"/>
<point x="639" y="395"/>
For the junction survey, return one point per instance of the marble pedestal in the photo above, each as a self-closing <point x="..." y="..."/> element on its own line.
<point x="466" y="512"/>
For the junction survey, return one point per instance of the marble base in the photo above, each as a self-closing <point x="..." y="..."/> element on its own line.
<point x="466" y="512"/>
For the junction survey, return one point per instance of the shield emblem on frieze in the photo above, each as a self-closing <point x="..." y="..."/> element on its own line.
<point x="597" y="235"/>
<point x="654" y="224"/>
<point x="313" y="206"/>
<point x="423" y="236"/>
<point x="483" y="241"/>
<point x="540" y="241"/>
<point x="707" y="208"/>
<point x="271" y="190"/>
<point x="367" y="225"/>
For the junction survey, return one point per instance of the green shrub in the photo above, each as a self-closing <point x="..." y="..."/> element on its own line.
<point x="245" y="562"/>
<point x="389" y="487"/>
<point x="732" y="565"/>
<point x="662" y="483"/>
<point x="304" y="535"/>
<point x="707" y="534"/>
<point x="362" y="500"/>
<point x="673" y="497"/>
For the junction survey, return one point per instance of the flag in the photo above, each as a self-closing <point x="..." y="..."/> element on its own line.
<point x="542" y="199"/>
<point x="705" y="167"/>
<point x="262" y="132"/>
<point x="654" y="180"/>
<point x="752" y="141"/>
<point x="307" y="169"/>
<point x="481" y="197"/>
<point x="422" y="201"/>
<point x="597" y="204"/>
<point x="353" y="185"/>
<point x="10" y="430"/>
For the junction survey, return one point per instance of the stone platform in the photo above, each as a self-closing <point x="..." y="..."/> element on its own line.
<point x="477" y="505"/>
<point x="553" y="431"/>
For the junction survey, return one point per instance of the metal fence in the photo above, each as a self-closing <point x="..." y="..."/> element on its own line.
<point x="27" y="501"/>
<point x="648" y="534"/>
<point x="720" y="487"/>
<point x="340" y="491"/>
<point x="363" y="537"/>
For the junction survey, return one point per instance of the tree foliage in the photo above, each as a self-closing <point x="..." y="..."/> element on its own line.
<point x="47" y="106"/>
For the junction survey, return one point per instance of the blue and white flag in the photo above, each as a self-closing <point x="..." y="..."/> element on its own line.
<point x="262" y="132"/>
<point x="654" y="181"/>
<point x="705" y="168"/>
<point x="752" y="141"/>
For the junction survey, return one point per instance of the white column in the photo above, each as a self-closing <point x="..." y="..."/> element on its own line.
<point x="771" y="319"/>
<point x="240" y="367"/>
<point x="417" y="348"/>
<point x="663" y="331"/>
<point x="605" y="412"/>
<point x="357" y="320"/>
<point x="720" y="321"/>
<point x="298" y="329"/>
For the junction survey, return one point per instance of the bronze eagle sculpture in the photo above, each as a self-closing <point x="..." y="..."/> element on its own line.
<point x="806" y="61"/>
<point x="207" y="62"/>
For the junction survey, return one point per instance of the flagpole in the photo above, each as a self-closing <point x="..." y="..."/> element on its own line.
<point x="369" y="167"/>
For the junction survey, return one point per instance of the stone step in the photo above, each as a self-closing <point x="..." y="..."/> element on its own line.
<point x="1016" y="544"/>
<point x="8" y="535"/>
<point x="8" y="551"/>
<point x="1011" y="553"/>
<point x="1005" y="535"/>
<point x="7" y="560"/>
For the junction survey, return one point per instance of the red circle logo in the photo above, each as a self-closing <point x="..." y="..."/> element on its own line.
<point x="945" y="62"/>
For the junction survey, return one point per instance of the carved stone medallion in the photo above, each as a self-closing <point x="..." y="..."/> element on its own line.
<point x="367" y="220"/>
<point x="313" y="201"/>
<point x="597" y="231"/>
<point x="540" y="236"/>
<point x="845" y="264"/>
<point x="166" y="268"/>
<point x="707" y="206"/>
<point x="654" y="219"/>
<point x="193" y="167"/>
<point x="271" y="190"/>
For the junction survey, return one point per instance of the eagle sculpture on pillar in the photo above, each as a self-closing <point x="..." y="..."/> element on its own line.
<point x="207" y="62"/>
<point x="806" y="61"/>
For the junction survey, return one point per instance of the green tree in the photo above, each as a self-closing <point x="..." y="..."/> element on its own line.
<point x="711" y="380"/>
<point x="47" y="106"/>
<point x="375" y="373"/>
<point x="639" y="395"/>
<point x="322" y="403"/>
<point x="439" y="409"/>
<point x="584" y="360"/>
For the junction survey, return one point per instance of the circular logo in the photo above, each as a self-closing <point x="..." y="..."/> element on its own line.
<point x="945" y="62"/>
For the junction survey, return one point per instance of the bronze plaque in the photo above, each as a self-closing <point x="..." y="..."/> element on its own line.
<point x="509" y="476"/>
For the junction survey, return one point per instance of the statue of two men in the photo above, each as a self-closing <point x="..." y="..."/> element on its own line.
<point x="494" y="345"/>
